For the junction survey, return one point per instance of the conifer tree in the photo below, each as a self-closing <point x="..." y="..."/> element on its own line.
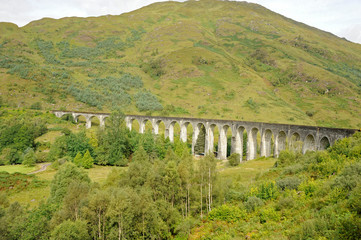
<point x="87" y="161"/>
<point x="199" y="147"/>
<point x="78" y="160"/>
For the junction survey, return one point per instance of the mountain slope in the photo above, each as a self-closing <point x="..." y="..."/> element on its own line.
<point x="214" y="59"/>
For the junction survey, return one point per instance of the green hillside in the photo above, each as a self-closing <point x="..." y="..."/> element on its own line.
<point x="211" y="59"/>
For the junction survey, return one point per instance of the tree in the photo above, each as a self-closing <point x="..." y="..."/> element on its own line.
<point x="87" y="161"/>
<point x="29" y="158"/>
<point x="66" y="174"/>
<point x="186" y="173"/>
<point x="96" y="211"/>
<point x="70" y="230"/>
<point x="208" y="174"/>
<point x="234" y="159"/>
<point x="114" y="141"/>
<point x="78" y="160"/>
<point x="200" y="142"/>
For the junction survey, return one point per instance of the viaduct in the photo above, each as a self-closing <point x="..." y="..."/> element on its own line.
<point x="295" y="137"/>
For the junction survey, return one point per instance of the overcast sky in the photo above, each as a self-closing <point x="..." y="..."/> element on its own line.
<point x="341" y="17"/>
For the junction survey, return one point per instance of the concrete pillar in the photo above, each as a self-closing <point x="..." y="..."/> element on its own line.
<point x="171" y="132"/>
<point x="196" y="129"/>
<point x="155" y="126"/>
<point x="142" y="126"/>
<point x="88" y="122"/>
<point x="75" y="117"/>
<point x="252" y="144"/>
<point x="222" y="143"/>
<point x="237" y="142"/>
<point x="101" y="121"/>
<point x="128" y="123"/>
<point x="183" y="132"/>
<point x="209" y="143"/>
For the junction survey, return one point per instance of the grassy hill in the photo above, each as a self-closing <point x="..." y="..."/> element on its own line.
<point x="214" y="59"/>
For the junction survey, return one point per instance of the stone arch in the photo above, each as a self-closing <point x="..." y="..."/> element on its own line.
<point x="67" y="117"/>
<point x="324" y="143"/>
<point x="252" y="143"/>
<point x="135" y="124"/>
<point x="295" y="143"/>
<point x="280" y="143"/>
<point x="169" y="132"/>
<point x="237" y="141"/>
<point x="266" y="143"/>
<point x="222" y="141"/>
<point x="199" y="138"/>
<point x="309" y="144"/>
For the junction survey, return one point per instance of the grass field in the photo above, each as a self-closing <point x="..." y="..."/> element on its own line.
<point x="34" y="196"/>
<point x="18" y="168"/>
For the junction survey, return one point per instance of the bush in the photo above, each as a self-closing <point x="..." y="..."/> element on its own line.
<point x="146" y="101"/>
<point x="29" y="158"/>
<point x="70" y="230"/>
<point x="227" y="213"/>
<point x="269" y="214"/>
<point x="349" y="177"/>
<point x="289" y="183"/>
<point x="234" y="159"/>
<point x="253" y="203"/>
<point x="354" y="201"/>
<point x="267" y="191"/>
<point x="285" y="203"/>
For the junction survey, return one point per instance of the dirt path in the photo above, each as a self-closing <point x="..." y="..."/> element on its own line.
<point x="43" y="168"/>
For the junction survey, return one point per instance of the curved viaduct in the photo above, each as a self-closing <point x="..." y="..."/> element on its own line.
<point x="296" y="137"/>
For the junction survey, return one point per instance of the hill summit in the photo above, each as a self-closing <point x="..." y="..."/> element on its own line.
<point x="210" y="59"/>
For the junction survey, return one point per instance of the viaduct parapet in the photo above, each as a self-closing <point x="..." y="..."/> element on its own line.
<point x="273" y="137"/>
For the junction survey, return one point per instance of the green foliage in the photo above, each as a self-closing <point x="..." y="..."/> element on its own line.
<point x="253" y="203"/>
<point x="234" y="159"/>
<point x="227" y="213"/>
<point x="70" y="145"/>
<point x="29" y="158"/>
<point x="87" y="161"/>
<point x="70" y="230"/>
<point x="289" y="183"/>
<point x="66" y="174"/>
<point x="199" y="146"/>
<point x="267" y="191"/>
<point x="78" y="159"/>
<point x="146" y="101"/>
<point x="349" y="177"/>
<point x="269" y="214"/>
<point x="354" y="201"/>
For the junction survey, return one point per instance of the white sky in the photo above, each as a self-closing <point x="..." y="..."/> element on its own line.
<point x="340" y="17"/>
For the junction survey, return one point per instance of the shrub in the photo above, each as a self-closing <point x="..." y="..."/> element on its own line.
<point x="29" y="158"/>
<point x="269" y="214"/>
<point x="227" y="213"/>
<point x="285" y="203"/>
<point x="285" y="158"/>
<point x="234" y="159"/>
<point x="87" y="161"/>
<point x="354" y="201"/>
<point x="253" y="203"/>
<point x="308" y="187"/>
<point x="289" y="183"/>
<point x="267" y="191"/>
<point x="349" y="177"/>
<point x="146" y="101"/>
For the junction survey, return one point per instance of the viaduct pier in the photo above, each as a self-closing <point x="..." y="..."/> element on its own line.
<point x="273" y="137"/>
